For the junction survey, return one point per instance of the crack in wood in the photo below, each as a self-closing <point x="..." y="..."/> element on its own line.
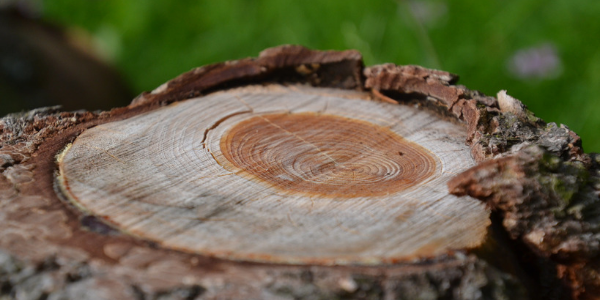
<point x="218" y="122"/>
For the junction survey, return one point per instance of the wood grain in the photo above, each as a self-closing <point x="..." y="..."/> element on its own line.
<point x="188" y="177"/>
<point x="325" y="155"/>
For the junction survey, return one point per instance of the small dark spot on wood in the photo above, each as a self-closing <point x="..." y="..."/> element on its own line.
<point x="93" y="224"/>
<point x="48" y="264"/>
<point x="186" y="293"/>
<point x="80" y="273"/>
<point x="307" y="276"/>
<point x="152" y="245"/>
<point x="43" y="296"/>
<point x="5" y="288"/>
<point x="138" y="293"/>
<point x="6" y="161"/>
<point x="400" y="153"/>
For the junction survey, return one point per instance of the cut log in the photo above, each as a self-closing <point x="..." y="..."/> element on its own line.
<point x="281" y="174"/>
<point x="298" y="175"/>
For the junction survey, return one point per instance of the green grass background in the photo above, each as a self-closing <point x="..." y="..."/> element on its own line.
<point x="152" y="41"/>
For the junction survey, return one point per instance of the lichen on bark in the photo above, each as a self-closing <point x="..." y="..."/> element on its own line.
<point x="548" y="203"/>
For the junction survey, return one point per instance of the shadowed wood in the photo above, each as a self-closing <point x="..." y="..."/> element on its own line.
<point x="292" y="175"/>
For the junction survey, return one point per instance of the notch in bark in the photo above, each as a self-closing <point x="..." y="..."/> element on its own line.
<point x="297" y="174"/>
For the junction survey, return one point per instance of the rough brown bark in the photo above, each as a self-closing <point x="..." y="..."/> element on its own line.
<point x="535" y="176"/>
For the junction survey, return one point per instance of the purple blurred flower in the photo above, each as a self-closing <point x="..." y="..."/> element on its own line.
<point x="541" y="62"/>
<point x="427" y="12"/>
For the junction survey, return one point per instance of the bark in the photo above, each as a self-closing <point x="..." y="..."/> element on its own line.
<point x="541" y="186"/>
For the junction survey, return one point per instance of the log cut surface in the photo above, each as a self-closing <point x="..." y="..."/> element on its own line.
<point x="286" y="174"/>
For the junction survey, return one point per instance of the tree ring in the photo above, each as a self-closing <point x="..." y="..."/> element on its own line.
<point x="326" y="155"/>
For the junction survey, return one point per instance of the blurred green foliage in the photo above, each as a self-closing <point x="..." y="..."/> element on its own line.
<point x="152" y="41"/>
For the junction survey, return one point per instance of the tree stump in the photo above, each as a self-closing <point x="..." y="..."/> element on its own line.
<point x="299" y="174"/>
